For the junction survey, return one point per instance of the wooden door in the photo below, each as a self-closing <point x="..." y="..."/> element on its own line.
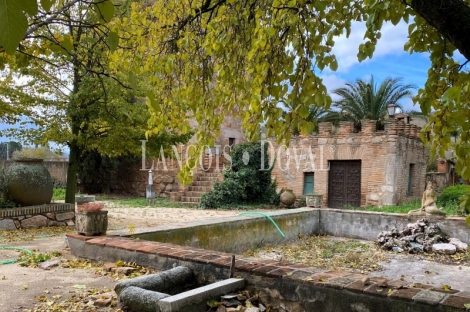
<point x="344" y="183"/>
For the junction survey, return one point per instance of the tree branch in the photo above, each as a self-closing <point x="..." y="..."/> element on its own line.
<point x="450" y="18"/>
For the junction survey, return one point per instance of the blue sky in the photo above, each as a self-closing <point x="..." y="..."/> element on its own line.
<point x="389" y="60"/>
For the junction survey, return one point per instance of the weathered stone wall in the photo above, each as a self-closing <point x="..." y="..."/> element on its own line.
<point x="131" y="179"/>
<point x="37" y="216"/>
<point x="385" y="160"/>
<point x="57" y="169"/>
<point x="440" y="178"/>
<point x="231" y="127"/>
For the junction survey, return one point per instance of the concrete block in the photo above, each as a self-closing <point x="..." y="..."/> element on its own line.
<point x="188" y="298"/>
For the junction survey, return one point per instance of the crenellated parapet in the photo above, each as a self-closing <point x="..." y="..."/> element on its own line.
<point x="368" y="128"/>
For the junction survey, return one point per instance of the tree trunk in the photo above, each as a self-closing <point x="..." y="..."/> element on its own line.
<point x="451" y="18"/>
<point x="74" y="155"/>
<point x="72" y="173"/>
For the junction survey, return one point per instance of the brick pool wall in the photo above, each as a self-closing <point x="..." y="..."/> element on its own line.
<point x="298" y="287"/>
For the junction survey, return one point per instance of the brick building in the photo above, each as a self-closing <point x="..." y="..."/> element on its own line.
<point x="369" y="167"/>
<point x="132" y="180"/>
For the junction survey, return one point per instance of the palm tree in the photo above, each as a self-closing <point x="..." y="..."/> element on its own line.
<point x="367" y="100"/>
<point x="320" y="114"/>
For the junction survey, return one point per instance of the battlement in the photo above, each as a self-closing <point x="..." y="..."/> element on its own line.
<point x="368" y="128"/>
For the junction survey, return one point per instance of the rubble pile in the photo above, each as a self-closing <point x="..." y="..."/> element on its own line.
<point x="239" y="302"/>
<point x="418" y="237"/>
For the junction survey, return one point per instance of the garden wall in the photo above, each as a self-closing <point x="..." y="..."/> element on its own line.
<point x="57" y="169"/>
<point x="442" y="179"/>
<point x="37" y="216"/>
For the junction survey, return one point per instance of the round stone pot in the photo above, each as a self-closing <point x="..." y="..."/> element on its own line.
<point x="288" y="198"/>
<point x="30" y="182"/>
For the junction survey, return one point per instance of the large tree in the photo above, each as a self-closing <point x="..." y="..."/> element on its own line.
<point x="245" y="56"/>
<point x="60" y="84"/>
<point x="365" y="99"/>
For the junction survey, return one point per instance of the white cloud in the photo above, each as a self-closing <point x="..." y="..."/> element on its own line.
<point x="392" y="42"/>
<point x="332" y="82"/>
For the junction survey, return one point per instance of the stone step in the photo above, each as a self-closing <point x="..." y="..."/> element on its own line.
<point x="202" y="183"/>
<point x="209" y="171"/>
<point x="203" y="189"/>
<point x="207" y="174"/>
<point x="193" y="194"/>
<point x="206" y="178"/>
<point x="190" y="204"/>
<point x="190" y="199"/>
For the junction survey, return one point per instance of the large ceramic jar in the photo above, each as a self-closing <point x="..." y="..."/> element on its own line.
<point x="288" y="198"/>
<point x="30" y="182"/>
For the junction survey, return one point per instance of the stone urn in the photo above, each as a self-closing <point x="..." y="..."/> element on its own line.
<point x="314" y="200"/>
<point x="30" y="182"/>
<point x="287" y="198"/>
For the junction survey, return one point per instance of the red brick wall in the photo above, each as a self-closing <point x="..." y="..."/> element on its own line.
<point x="385" y="160"/>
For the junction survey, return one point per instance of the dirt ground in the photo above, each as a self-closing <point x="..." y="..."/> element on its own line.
<point x="71" y="285"/>
<point x="122" y="218"/>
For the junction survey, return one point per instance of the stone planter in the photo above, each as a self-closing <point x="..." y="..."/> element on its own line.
<point x="30" y="182"/>
<point x="91" y="222"/>
<point x="314" y="200"/>
<point x="287" y="198"/>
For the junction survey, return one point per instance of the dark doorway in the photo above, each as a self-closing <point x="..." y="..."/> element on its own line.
<point x="344" y="183"/>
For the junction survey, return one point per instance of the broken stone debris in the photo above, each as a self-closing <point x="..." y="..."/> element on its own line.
<point x="421" y="236"/>
<point x="243" y="301"/>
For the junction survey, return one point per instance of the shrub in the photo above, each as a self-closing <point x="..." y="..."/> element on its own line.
<point x="302" y="202"/>
<point x="58" y="194"/>
<point x="90" y="207"/>
<point x="244" y="183"/>
<point x="57" y="184"/>
<point x="452" y="194"/>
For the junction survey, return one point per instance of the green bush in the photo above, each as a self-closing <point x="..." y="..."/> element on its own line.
<point x="58" y="194"/>
<point x="452" y="194"/>
<point x="244" y="183"/>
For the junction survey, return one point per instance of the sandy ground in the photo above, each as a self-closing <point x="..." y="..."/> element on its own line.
<point x="21" y="287"/>
<point x="122" y="218"/>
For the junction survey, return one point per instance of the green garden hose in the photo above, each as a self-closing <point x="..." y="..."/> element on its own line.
<point x="263" y="214"/>
<point x="10" y="261"/>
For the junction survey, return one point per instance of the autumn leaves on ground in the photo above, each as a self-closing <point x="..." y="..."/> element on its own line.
<point x="321" y="251"/>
